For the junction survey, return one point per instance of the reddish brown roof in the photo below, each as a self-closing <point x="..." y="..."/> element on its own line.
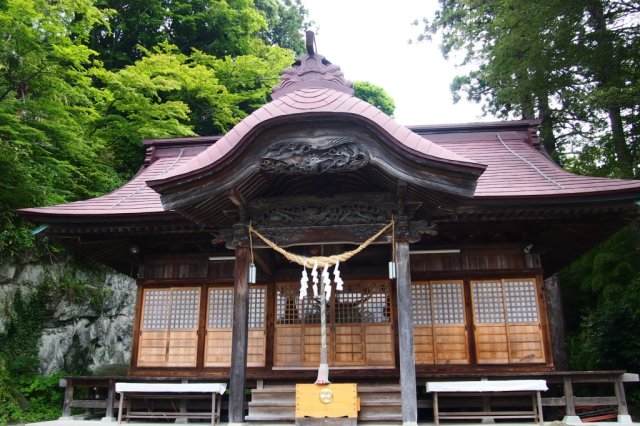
<point x="315" y="101"/>
<point x="516" y="166"/>
<point x="134" y="197"/>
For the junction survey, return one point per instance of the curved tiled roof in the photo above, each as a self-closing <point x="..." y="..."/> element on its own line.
<point x="517" y="169"/>
<point x="314" y="101"/>
<point x="134" y="197"/>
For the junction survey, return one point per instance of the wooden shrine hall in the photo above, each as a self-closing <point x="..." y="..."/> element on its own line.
<point x="475" y="218"/>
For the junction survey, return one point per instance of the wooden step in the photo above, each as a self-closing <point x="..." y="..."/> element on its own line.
<point x="276" y="403"/>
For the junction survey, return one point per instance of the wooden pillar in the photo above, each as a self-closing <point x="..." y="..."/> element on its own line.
<point x="556" y="322"/>
<point x="405" y="336"/>
<point x="239" y="337"/>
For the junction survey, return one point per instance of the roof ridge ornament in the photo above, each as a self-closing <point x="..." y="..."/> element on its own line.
<point x="311" y="70"/>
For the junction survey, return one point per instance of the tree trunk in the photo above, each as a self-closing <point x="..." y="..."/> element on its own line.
<point x="607" y="68"/>
<point x="547" y="137"/>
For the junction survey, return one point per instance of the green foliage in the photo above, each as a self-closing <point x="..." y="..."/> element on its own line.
<point x="29" y="398"/>
<point x="19" y="341"/>
<point x="285" y="20"/>
<point x="72" y="129"/>
<point x="26" y="396"/>
<point x="600" y="292"/>
<point x="168" y="94"/>
<point x="46" y="99"/>
<point x="572" y="63"/>
<point x="219" y="28"/>
<point x="375" y="95"/>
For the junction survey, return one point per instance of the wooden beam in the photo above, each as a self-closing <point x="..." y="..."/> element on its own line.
<point x="239" y="337"/>
<point x="405" y="336"/>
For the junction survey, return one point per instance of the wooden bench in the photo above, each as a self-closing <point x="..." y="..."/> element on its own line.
<point x="486" y="389"/>
<point x="183" y="391"/>
<point x="93" y="393"/>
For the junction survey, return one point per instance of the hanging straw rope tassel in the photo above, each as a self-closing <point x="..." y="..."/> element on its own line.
<point x="322" y="260"/>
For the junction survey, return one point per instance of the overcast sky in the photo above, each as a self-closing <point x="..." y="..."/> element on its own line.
<point x="368" y="39"/>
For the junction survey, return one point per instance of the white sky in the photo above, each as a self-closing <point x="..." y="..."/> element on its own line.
<point x="368" y="40"/>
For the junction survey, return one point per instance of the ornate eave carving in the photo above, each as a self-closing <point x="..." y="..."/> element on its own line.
<point x="314" y="155"/>
<point x="313" y="211"/>
<point x="350" y="218"/>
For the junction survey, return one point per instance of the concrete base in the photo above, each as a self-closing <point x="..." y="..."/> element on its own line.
<point x="108" y="419"/>
<point x="624" y="419"/>
<point x="325" y="421"/>
<point x="409" y="423"/>
<point x="571" y="420"/>
<point x="237" y="424"/>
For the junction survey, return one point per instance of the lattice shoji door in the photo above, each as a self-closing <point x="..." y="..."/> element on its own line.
<point x="378" y="324"/>
<point x="169" y="327"/>
<point x="289" y="331"/>
<point x="358" y="321"/>
<point x="220" y="327"/>
<point x="363" y="334"/>
<point x="440" y="330"/>
<point x="526" y="344"/>
<point x="507" y="321"/>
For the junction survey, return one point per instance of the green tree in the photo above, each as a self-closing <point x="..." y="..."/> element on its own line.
<point x="129" y="24"/>
<point x="216" y="27"/>
<point x="46" y="97"/>
<point x="167" y="93"/>
<point x="375" y="95"/>
<point x="286" y="22"/>
<point x="572" y="64"/>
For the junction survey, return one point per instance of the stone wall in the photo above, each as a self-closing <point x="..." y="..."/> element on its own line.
<point x="91" y="321"/>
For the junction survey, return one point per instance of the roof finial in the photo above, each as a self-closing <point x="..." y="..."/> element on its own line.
<point x="311" y="43"/>
<point x="311" y="70"/>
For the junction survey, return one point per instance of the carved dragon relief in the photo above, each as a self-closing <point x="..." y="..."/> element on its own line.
<point x="287" y="220"/>
<point x="314" y="155"/>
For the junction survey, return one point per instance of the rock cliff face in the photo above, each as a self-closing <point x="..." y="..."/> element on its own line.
<point x="90" y="325"/>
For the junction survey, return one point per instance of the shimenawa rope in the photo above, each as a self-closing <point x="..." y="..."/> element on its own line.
<point x="322" y="260"/>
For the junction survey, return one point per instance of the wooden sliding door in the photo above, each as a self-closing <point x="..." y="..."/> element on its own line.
<point x="507" y="322"/>
<point x="169" y="327"/>
<point x="220" y="327"/>
<point x="359" y="327"/>
<point x="439" y="323"/>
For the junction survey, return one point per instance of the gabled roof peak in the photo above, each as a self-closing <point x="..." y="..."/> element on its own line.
<point x="312" y="70"/>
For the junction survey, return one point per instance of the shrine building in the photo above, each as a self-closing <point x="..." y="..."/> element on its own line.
<point x="476" y="219"/>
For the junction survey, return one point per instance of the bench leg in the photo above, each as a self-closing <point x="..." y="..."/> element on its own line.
<point x="486" y="406"/>
<point x="539" y="408"/>
<point x="108" y="415"/>
<point x="213" y="408"/>
<point x="436" y="415"/>
<point x="120" y="407"/>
